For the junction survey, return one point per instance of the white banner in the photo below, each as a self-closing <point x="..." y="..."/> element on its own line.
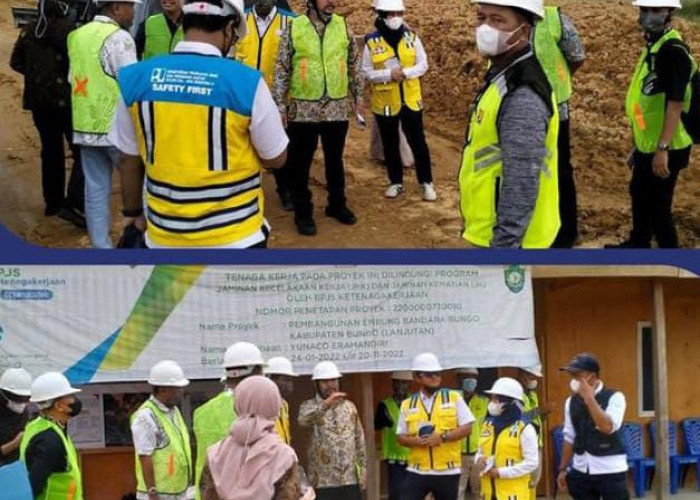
<point x="112" y="323"/>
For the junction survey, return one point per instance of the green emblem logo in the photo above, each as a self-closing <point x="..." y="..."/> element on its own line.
<point x="515" y="278"/>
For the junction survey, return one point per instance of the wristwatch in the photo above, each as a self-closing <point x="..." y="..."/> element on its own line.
<point x="445" y="436"/>
<point x="152" y="490"/>
<point x="662" y="146"/>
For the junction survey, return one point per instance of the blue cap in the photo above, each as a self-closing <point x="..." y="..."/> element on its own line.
<point x="583" y="362"/>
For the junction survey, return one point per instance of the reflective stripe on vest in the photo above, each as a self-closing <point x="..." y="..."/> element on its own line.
<point x="95" y="93"/>
<point x="548" y="33"/>
<point x="319" y="66"/>
<point x="282" y="426"/>
<point x="172" y="464"/>
<point x="646" y="105"/>
<point x="478" y="405"/>
<point x="159" y="39"/>
<point x="59" y="485"/>
<point x="391" y="449"/>
<point x="388" y="97"/>
<point x="211" y="423"/>
<point x="506" y="447"/>
<point x="444" y="417"/>
<point x="481" y="172"/>
<point x="259" y="50"/>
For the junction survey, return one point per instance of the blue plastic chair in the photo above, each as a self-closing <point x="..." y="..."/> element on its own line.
<point x="558" y="440"/>
<point x="691" y="437"/>
<point x="633" y="437"/>
<point x="677" y="461"/>
<point x="14" y="482"/>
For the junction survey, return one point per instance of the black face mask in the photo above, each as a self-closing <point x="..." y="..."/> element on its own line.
<point x="75" y="408"/>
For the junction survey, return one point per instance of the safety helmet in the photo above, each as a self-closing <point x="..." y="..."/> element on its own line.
<point x="389" y="5"/>
<point x="243" y="354"/>
<point x="404" y="375"/>
<point x="467" y="371"/>
<point x="49" y="386"/>
<point x="167" y="374"/>
<point x="426" y="362"/>
<point x="206" y="7"/>
<point x="671" y="4"/>
<point x="533" y="6"/>
<point x="18" y="381"/>
<point x="280" y="366"/>
<point x="535" y="370"/>
<point x="506" y="386"/>
<point x="325" y="370"/>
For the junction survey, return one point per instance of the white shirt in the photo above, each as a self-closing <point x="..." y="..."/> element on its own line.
<point x="263" y="23"/>
<point x="592" y="464"/>
<point x="464" y="417"/>
<point x="119" y="50"/>
<point x="384" y="75"/>
<point x="529" y="447"/>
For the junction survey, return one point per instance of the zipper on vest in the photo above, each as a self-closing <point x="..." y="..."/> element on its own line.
<point x="493" y="454"/>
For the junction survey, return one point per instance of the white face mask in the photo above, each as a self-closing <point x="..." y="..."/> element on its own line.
<point x="532" y="385"/>
<point x="394" y="23"/>
<point x="575" y="385"/>
<point x="493" y="42"/>
<point x="14" y="406"/>
<point x="495" y="409"/>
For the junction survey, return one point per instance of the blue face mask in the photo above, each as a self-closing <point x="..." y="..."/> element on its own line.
<point x="469" y="385"/>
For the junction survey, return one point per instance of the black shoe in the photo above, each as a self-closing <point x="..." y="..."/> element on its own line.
<point x="305" y="225"/>
<point x="627" y="244"/>
<point x="51" y="211"/>
<point x="70" y="215"/>
<point x="343" y="215"/>
<point x="286" y="200"/>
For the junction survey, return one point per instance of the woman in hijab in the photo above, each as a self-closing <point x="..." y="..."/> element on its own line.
<point x="252" y="463"/>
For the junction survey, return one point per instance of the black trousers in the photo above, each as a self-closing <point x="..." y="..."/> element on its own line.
<point x="417" y="486"/>
<point x="303" y="141"/>
<point x="596" y="487"/>
<point x="53" y="126"/>
<point x="351" y="492"/>
<point x="397" y="477"/>
<point x="566" y="238"/>
<point x="652" y="200"/>
<point x="282" y="179"/>
<point x="412" y="123"/>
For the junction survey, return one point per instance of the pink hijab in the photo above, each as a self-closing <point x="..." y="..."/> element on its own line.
<point x="247" y="463"/>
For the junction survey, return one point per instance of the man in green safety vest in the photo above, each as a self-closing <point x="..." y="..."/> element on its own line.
<point x="161" y="440"/>
<point x="560" y="51"/>
<point x="159" y="33"/>
<point x="317" y="70"/>
<point x="467" y="381"/>
<point x="385" y="419"/>
<point x="659" y="93"/>
<point x="212" y="421"/>
<point x="508" y="177"/>
<point x="46" y="448"/>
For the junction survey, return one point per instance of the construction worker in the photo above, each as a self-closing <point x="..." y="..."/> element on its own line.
<point x="508" y="445"/>
<point x="393" y="62"/>
<point x="535" y="413"/>
<point x="214" y="133"/>
<point x="97" y="51"/>
<point x="385" y="420"/>
<point x="467" y="382"/>
<point x="560" y="51"/>
<point x="508" y="178"/>
<point x="212" y="421"/>
<point x="259" y="49"/>
<point x="432" y="424"/>
<point x="46" y="448"/>
<point x="317" y="68"/>
<point x="15" y="390"/>
<point x="337" y="455"/>
<point x="281" y="372"/>
<point x="659" y="93"/>
<point x="160" y="33"/>
<point x="161" y="439"/>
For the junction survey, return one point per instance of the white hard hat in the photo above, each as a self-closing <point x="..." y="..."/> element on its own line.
<point x="18" y="381"/>
<point x="426" y="362"/>
<point x="204" y="7"/>
<point x="404" y="375"/>
<point x="167" y="374"/>
<point x="534" y="6"/>
<point x="49" y="386"/>
<point x="467" y="371"/>
<point x="243" y="354"/>
<point x="509" y="387"/>
<point x="671" y="4"/>
<point x="389" y="5"/>
<point x="535" y="370"/>
<point x="325" y="370"/>
<point x="280" y="366"/>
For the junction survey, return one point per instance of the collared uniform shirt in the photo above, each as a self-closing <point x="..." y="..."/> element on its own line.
<point x="264" y="22"/>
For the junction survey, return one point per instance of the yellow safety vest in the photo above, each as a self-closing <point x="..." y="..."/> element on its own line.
<point x="548" y="33"/>
<point x="259" y="50"/>
<point x="443" y="416"/>
<point x="387" y="98"/>
<point x="506" y="448"/>
<point x="283" y="427"/>
<point x="532" y="402"/>
<point x="478" y="405"/>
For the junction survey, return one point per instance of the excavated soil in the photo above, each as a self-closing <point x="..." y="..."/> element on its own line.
<point x="600" y="141"/>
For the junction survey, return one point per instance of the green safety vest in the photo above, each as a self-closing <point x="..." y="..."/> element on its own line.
<point x="60" y="485"/>
<point x="646" y="112"/>
<point x="531" y="403"/>
<point x="548" y="33"/>
<point x="478" y="405"/>
<point x="211" y="423"/>
<point x="172" y="464"/>
<point x="95" y="93"/>
<point x="391" y="449"/>
<point x="319" y="66"/>
<point x="481" y="171"/>
<point x="159" y="39"/>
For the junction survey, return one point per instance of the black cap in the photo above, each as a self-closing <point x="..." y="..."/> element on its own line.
<point x="585" y="362"/>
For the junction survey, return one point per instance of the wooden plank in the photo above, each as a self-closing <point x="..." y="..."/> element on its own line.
<point x="366" y="381"/>
<point x="661" y="417"/>
<point x="539" y="272"/>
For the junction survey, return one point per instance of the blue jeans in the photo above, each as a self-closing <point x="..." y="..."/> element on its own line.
<point x="98" y="164"/>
